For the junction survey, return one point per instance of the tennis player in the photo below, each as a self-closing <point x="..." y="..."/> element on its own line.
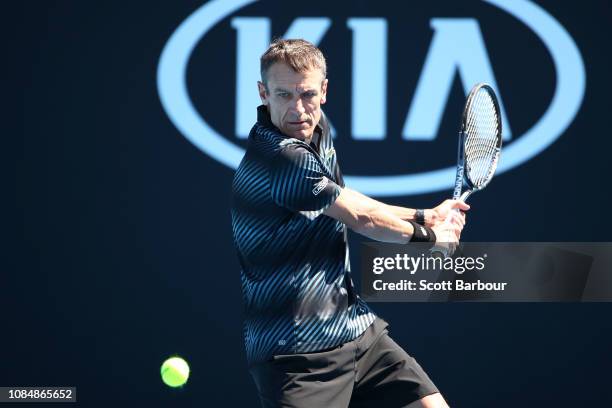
<point x="311" y="341"/>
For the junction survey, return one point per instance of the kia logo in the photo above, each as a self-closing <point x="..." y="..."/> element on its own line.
<point x="444" y="59"/>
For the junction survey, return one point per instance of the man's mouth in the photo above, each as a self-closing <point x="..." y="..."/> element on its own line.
<point x="301" y="124"/>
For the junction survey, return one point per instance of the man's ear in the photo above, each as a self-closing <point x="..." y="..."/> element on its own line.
<point x="262" y="92"/>
<point x="324" y="91"/>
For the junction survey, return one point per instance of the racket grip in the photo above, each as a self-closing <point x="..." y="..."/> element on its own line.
<point x="438" y="252"/>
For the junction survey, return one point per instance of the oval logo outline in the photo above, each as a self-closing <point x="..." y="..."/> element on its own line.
<point x="566" y="101"/>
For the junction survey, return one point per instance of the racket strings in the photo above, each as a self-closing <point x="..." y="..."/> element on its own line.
<point x="482" y="139"/>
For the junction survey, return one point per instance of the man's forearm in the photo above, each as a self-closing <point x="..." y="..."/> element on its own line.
<point x="383" y="226"/>
<point x="370" y="218"/>
<point x="404" y="213"/>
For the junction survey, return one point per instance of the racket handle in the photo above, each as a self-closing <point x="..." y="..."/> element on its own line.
<point x="438" y="252"/>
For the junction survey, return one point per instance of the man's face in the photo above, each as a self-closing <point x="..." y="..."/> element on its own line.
<point x="294" y="99"/>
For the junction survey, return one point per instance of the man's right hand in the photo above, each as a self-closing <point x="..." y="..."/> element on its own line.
<point x="448" y="233"/>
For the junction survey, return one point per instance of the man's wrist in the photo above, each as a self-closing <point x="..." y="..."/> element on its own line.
<point x="422" y="233"/>
<point x="431" y="217"/>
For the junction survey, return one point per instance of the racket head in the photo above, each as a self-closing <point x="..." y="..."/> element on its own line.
<point x="480" y="141"/>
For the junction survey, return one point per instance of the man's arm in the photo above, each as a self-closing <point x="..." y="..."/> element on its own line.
<point x="373" y="219"/>
<point x="433" y="216"/>
<point x="404" y="213"/>
<point x="368" y="217"/>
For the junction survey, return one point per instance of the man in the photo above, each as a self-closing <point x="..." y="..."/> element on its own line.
<point x="311" y="341"/>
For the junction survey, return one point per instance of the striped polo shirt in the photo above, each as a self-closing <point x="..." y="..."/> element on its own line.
<point x="298" y="293"/>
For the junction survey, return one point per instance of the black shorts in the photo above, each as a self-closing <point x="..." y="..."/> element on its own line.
<point x="370" y="371"/>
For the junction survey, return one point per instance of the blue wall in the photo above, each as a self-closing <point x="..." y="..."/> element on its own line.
<point x="123" y="252"/>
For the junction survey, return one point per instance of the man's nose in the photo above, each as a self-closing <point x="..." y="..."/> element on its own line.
<point x="298" y="105"/>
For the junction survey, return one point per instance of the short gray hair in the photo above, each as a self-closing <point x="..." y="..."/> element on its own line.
<point x="298" y="54"/>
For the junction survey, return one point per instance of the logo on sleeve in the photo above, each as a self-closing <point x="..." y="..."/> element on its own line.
<point x="320" y="185"/>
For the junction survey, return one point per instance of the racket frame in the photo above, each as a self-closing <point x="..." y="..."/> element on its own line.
<point x="461" y="176"/>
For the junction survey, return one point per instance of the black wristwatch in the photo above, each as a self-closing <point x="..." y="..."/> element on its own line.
<point x="419" y="217"/>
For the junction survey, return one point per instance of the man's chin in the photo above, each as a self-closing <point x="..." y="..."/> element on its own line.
<point x="301" y="134"/>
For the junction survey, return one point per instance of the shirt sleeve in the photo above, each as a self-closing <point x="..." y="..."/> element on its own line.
<point x="299" y="183"/>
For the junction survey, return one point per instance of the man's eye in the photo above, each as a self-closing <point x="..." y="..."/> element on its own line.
<point x="310" y="94"/>
<point x="283" y="94"/>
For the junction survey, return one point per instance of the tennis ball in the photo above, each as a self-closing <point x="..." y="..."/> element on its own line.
<point x="175" y="372"/>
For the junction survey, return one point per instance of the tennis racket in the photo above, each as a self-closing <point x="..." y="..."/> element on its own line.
<point x="480" y="141"/>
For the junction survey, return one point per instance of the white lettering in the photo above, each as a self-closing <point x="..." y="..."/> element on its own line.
<point x="457" y="45"/>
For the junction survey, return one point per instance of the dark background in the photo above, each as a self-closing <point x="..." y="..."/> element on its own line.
<point x="120" y="248"/>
